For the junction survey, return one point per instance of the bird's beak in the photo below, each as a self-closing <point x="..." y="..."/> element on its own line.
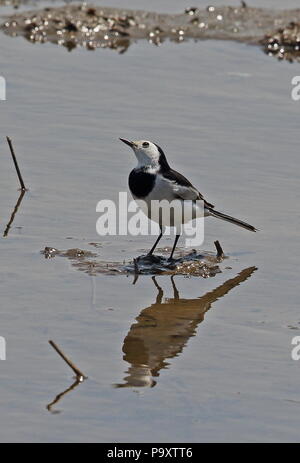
<point x="129" y="143"/>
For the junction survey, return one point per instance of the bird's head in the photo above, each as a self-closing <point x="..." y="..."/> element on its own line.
<point x="148" y="154"/>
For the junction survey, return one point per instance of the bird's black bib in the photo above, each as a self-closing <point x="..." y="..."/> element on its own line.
<point x="141" y="183"/>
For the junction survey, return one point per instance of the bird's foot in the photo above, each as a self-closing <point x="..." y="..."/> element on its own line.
<point x="150" y="259"/>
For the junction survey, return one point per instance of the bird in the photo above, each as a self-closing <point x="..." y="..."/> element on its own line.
<point x="154" y="179"/>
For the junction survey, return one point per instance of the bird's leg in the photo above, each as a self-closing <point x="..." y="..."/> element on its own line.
<point x="156" y="243"/>
<point x="174" y="246"/>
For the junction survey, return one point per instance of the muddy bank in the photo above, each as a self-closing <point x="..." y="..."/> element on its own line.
<point x="95" y="27"/>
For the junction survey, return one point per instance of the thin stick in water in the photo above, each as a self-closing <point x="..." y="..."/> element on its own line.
<point x="23" y="188"/>
<point x="76" y="370"/>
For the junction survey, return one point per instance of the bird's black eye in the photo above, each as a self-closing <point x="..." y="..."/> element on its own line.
<point x="145" y="144"/>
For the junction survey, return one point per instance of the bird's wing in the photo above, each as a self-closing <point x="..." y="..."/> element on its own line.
<point x="183" y="188"/>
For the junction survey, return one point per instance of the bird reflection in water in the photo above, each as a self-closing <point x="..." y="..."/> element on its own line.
<point x="163" y="329"/>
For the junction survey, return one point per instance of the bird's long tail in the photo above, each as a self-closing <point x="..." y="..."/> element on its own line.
<point x="228" y="218"/>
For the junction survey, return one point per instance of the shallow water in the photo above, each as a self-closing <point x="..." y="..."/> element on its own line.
<point x="224" y="114"/>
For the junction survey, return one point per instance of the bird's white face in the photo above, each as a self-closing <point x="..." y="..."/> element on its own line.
<point x="146" y="152"/>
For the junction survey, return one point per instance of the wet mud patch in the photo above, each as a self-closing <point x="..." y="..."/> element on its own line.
<point x="188" y="263"/>
<point x="284" y="43"/>
<point x="74" y="253"/>
<point x="94" y="27"/>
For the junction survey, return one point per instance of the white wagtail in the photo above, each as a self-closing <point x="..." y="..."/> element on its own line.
<point x="153" y="179"/>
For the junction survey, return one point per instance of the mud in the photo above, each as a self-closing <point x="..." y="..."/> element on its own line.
<point x="188" y="263"/>
<point x="95" y="27"/>
<point x="284" y="43"/>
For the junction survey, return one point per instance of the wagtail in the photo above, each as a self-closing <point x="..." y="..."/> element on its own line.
<point x="153" y="179"/>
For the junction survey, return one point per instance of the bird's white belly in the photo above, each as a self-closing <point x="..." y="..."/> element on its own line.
<point x="170" y="212"/>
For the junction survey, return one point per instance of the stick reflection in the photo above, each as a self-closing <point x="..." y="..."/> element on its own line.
<point x="164" y="328"/>
<point x="60" y="396"/>
<point x="8" y="226"/>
